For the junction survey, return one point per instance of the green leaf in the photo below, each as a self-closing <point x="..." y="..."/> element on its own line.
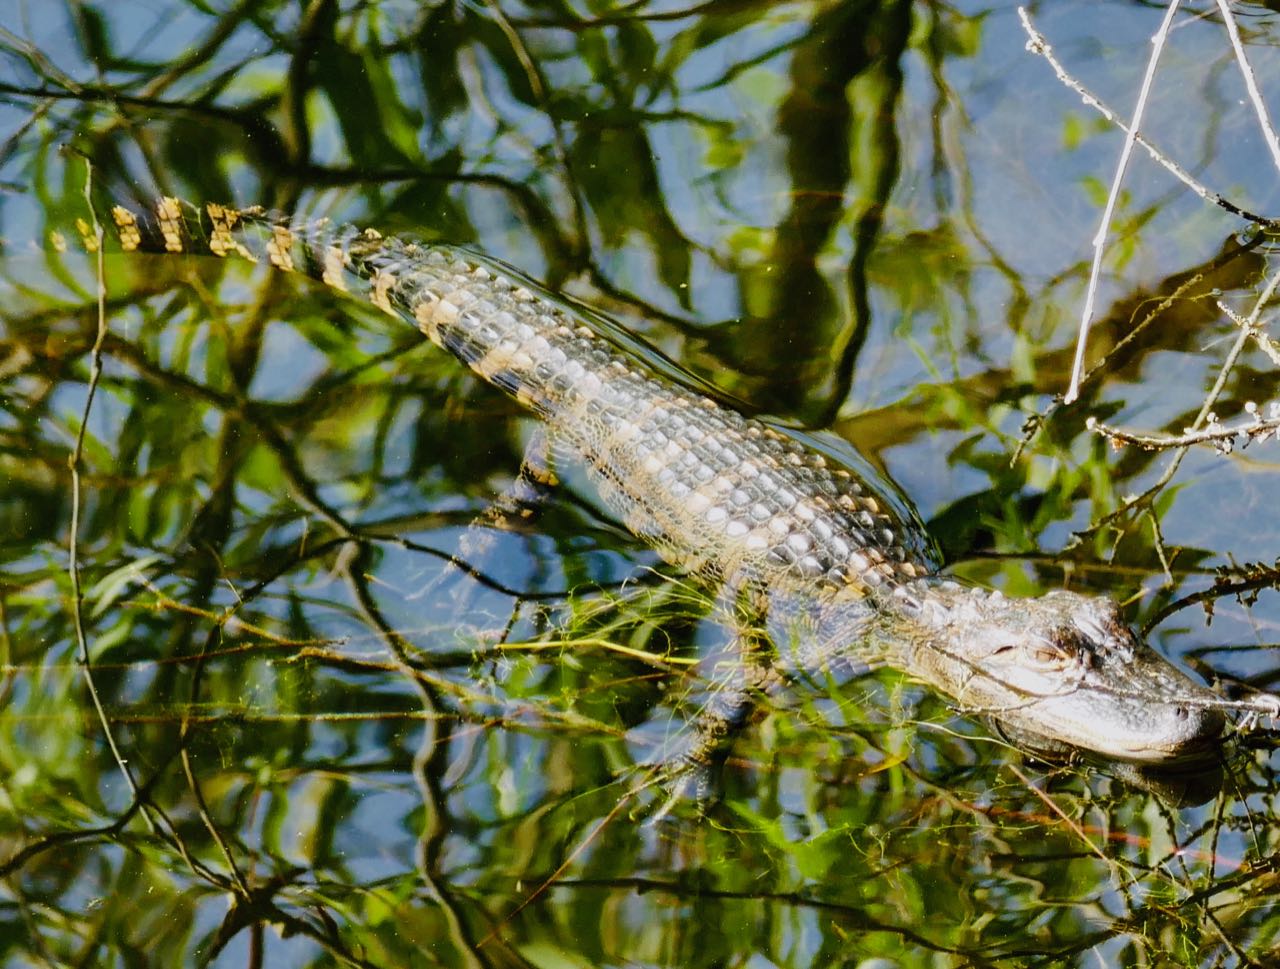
<point x="107" y="590"/>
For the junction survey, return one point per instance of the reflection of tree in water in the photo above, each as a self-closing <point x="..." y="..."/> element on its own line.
<point x="270" y="481"/>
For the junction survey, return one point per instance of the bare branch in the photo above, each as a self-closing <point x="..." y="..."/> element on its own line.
<point x="1223" y="437"/>
<point x="1259" y="106"/>
<point x="73" y="537"/>
<point x="1100" y="239"/>
<point x="1037" y="44"/>
<point x="1250" y="326"/>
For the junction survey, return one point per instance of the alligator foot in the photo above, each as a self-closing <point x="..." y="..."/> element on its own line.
<point x="519" y="504"/>
<point x="694" y="771"/>
<point x="685" y="781"/>
<point x="514" y="510"/>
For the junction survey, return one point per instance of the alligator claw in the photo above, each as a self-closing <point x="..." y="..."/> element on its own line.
<point x="684" y="780"/>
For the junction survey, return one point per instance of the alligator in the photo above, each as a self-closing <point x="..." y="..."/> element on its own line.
<point x="824" y="568"/>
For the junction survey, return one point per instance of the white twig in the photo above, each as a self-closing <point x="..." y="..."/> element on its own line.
<point x="1265" y="343"/>
<point x="73" y="540"/>
<point x="1252" y="429"/>
<point x="1260" y="106"/>
<point x="1037" y="44"/>
<point x="1099" y="240"/>
<point x="1205" y="414"/>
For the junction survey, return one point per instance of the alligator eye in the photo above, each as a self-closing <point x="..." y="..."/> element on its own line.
<point x="1047" y="656"/>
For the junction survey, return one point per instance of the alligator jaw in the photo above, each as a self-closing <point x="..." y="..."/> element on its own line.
<point x="1062" y="667"/>
<point x="1134" y="707"/>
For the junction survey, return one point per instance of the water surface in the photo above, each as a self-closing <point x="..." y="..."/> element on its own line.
<point x="870" y="221"/>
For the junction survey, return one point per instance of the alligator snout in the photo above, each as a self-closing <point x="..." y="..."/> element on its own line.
<point x="1172" y="733"/>
<point x="1065" y="669"/>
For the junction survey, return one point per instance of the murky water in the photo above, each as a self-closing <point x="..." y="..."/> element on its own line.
<point x="870" y="222"/>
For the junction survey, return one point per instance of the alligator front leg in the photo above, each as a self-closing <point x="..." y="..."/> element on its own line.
<point x="514" y="510"/>
<point x="777" y="639"/>
<point x="518" y="505"/>
<point x="733" y="699"/>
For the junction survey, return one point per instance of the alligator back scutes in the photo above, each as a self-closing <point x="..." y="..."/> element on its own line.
<point x="713" y="490"/>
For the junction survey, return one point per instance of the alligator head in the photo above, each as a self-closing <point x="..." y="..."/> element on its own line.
<point x="1060" y="671"/>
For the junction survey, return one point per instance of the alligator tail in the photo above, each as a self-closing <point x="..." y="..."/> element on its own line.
<point x="480" y="310"/>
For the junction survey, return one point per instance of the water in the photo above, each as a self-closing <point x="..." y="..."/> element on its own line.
<point x="866" y="221"/>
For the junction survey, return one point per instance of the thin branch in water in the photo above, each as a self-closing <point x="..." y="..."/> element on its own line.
<point x="1265" y="343"/>
<point x="1037" y="44"/>
<point x="237" y="877"/>
<point x="1223" y="437"/>
<point x="1251" y="85"/>
<point x="1263" y="298"/>
<point x="158" y="824"/>
<point x="1245" y="581"/>
<point x="1100" y="239"/>
<point x="1206" y="410"/>
<point x="1188" y="289"/>
<point x="1072" y="825"/>
<point x="539" y="91"/>
<point x="73" y="465"/>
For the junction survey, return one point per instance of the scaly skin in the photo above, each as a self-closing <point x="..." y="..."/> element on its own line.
<point x="836" y="571"/>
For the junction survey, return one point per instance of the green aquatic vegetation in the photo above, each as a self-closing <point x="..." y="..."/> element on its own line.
<point x="851" y="217"/>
